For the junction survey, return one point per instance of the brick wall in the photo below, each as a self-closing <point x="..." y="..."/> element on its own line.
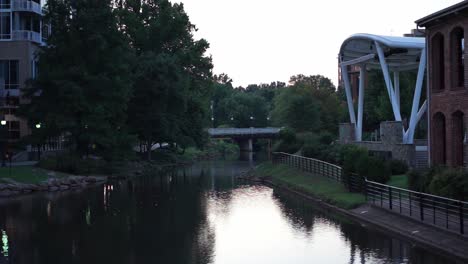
<point x="448" y="84"/>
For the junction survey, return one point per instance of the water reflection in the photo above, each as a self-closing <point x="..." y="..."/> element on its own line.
<point x="201" y="214"/>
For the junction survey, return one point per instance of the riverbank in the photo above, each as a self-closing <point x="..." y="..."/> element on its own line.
<point x="311" y="187"/>
<point x="20" y="180"/>
<point x="326" y="189"/>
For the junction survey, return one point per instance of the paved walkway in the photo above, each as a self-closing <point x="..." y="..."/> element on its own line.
<point x="446" y="218"/>
<point x="426" y="235"/>
<point x="22" y="163"/>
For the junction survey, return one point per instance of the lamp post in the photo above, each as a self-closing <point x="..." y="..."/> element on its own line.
<point x="251" y="121"/>
<point x="38" y="126"/>
<point x="3" y="140"/>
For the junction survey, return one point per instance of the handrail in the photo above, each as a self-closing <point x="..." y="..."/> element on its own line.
<point x="440" y="211"/>
<point x="415" y="192"/>
<point x="302" y="157"/>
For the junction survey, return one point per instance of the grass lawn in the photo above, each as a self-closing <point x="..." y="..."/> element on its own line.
<point x="315" y="185"/>
<point x="25" y="174"/>
<point x="400" y="181"/>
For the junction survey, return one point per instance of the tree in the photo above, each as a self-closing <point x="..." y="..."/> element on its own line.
<point x="84" y="80"/>
<point x="172" y="75"/>
<point x="308" y="104"/>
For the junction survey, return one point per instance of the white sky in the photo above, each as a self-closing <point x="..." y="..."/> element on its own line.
<point x="261" y="41"/>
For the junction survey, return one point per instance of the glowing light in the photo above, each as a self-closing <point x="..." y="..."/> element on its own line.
<point x="5" y="244"/>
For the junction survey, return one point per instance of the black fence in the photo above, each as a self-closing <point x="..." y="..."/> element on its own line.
<point x="436" y="210"/>
<point x="439" y="211"/>
<point x="323" y="168"/>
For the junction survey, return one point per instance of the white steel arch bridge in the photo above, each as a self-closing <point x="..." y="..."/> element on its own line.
<point x="391" y="55"/>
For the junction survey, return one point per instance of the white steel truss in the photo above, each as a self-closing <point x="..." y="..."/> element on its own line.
<point x="390" y="54"/>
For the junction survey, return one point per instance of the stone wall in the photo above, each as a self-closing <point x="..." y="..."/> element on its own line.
<point x="391" y="133"/>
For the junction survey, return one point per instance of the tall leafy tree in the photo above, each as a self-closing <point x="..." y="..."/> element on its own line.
<point x="84" y="80"/>
<point x="172" y="73"/>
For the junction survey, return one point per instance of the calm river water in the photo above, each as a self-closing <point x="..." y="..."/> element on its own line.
<point x="201" y="214"/>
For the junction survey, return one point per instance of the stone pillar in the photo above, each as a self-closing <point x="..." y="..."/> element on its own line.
<point x="246" y="145"/>
<point x="391" y="132"/>
<point x="347" y="133"/>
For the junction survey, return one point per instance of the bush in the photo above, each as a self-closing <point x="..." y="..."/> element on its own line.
<point x="398" y="167"/>
<point x="287" y="135"/>
<point x="283" y="146"/>
<point x="451" y="183"/>
<point x="419" y="180"/>
<point x="350" y="155"/>
<point x="376" y="169"/>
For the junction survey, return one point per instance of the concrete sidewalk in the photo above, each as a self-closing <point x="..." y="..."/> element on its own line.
<point x="20" y="163"/>
<point x="426" y="235"/>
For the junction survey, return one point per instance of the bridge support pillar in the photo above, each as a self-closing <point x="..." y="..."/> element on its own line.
<point x="246" y="145"/>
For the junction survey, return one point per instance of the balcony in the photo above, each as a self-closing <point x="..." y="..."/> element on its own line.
<point x="28" y="6"/>
<point x="27" y="35"/>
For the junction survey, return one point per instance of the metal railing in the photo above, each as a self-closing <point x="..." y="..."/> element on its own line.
<point x="25" y="5"/>
<point x="446" y="213"/>
<point x="329" y="170"/>
<point x="27" y="35"/>
<point x="436" y="210"/>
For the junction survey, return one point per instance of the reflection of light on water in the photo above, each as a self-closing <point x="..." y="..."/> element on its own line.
<point x="49" y="209"/>
<point x="88" y="215"/>
<point x="5" y="244"/>
<point x="108" y="188"/>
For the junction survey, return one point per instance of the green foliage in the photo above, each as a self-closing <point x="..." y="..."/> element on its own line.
<point x="451" y="183"/>
<point x="400" y="181"/>
<point x="288" y="142"/>
<point x="25" y="174"/>
<point x="373" y="168"/>
<point x="235" y="107"/>
<point x="420" y="180"/>
<point x="83" y="78"/>
<point x="172" y="77"/>
<point x="313" y="97"/>
<point x="398" y="167"/>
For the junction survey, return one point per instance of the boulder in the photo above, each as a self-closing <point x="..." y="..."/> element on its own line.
<point x="64" y="187"/>
<point x="53" y="188"/>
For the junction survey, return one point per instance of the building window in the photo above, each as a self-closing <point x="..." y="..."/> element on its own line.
<point x="5" y="4"/>
<point x="457" y="45"/>
<point x="9" y="74"/>
<point x="438" y="139"/>
<point x="5" y="25"/>
<point x="438" y="69"/>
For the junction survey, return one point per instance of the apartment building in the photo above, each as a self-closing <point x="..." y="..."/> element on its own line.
<point x="21" y="33"/>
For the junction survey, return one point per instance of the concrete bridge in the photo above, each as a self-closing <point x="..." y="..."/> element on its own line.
<point x="244" y="136"/>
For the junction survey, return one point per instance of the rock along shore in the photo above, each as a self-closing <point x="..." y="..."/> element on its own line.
<point x="51" y="185"/>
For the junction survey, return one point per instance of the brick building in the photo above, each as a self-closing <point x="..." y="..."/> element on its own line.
<point x="447" y="84"/>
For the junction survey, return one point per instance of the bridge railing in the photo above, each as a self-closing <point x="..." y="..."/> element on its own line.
<point x="315" y="166"/>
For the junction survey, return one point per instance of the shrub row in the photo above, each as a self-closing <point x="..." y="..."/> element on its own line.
<point x="352" y="158"/>
<point x="447" y="182"/>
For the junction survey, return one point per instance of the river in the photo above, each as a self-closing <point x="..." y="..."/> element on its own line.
<point x="199" y="214"/>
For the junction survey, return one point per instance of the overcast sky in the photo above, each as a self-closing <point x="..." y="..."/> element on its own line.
<point x="261" y="41"/>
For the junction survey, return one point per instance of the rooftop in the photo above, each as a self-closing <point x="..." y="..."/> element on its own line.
<point x="434" y="17"/>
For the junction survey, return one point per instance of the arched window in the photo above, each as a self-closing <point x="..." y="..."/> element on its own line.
<point x="458" y="135"/>
<point x="438" y="148"/>
<point x="457" y="67"/>
<point x="437" y="56"/>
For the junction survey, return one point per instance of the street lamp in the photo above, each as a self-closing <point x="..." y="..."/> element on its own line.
<point x="38" y="126"/>
<point x="3" y="140"/>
